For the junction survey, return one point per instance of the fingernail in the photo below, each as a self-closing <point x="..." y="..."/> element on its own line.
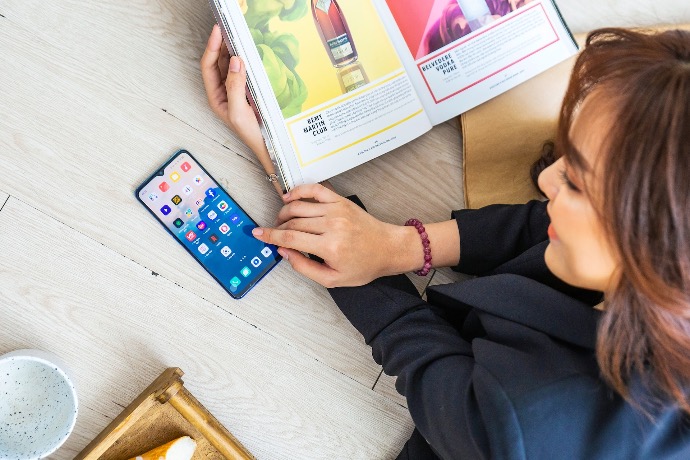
<point x="284" y="254"/>
<point x="234" y="64"/>
<point x="258" y="231"/>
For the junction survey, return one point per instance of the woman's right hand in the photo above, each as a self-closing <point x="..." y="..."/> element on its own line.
<point x="356" y="247"/>
<point x="225" y="80"/>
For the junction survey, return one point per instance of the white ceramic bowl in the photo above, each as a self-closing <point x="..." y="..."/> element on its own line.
<point x="38" y="404"/>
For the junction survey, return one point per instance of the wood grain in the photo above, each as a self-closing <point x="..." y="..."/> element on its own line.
<point x="585" y="15"/>
<point x="385" y="386"/>
<point x="59" y="293"/>
<point x="3" y="199"/>
<point x="77" y="154"/>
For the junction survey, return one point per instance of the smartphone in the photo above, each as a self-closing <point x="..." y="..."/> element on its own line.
<point x="211" y="226"/>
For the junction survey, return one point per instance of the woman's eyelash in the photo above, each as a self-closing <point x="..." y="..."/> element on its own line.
<point x="568" y="182"/>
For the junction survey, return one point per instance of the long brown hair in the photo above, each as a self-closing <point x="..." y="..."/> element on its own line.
<point x="644" y="334"/>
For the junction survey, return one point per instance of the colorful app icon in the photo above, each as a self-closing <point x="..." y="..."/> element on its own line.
<point x="212" y="215"/>
<point x="235" y="281"/>
<point x="201" y="225"/>
<point x="164" y="186"/>
<point x="175" y="176"/>
<point x="256" y="262"/>
<point x="166" y="210"/>
<point x="185" y="166"/>
<point x="199" y="203"/>
<point x="203" y="248"/>
<point x="266" y="252"/>
<point x="187" y="190"/>
<point x="224" y="228"/>
<point x="245" y="272"/>
<point x="176" y="200"/>
<point x="226" y="251"/>
<point x="189" y="213"/>
<point x="198" y="180"/>
<point x="153" y="196"/>
<point x="191" y="236"/>
<point x="213" y="238"/>
<point x="223" y="206"/>
<point x="178" y="223"/>
<point x="211" y="193"/>
<point x="234" y="218"/>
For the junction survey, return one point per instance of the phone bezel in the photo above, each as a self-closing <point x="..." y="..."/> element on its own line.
<point x="158" y="173"/>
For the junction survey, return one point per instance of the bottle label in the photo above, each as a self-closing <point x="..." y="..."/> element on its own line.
<point x="340" y="47"/>
<point x="353" y="80"/>
<point x="324" y="5"/>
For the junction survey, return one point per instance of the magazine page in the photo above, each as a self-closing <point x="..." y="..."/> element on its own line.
<point x="461" y="53"/>
<point x="341" y="95"/>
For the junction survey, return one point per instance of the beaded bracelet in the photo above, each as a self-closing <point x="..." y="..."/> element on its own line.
<point x="425" y="243"/>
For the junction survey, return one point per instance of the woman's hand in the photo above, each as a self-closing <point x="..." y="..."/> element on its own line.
<point x="356" y="247"/>
<point x="225" y="80"/>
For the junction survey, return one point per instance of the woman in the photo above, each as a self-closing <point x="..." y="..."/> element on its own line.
<point x="516" y="363"/>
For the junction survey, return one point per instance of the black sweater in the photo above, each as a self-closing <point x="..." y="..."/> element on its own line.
<point x="502" y="366"/>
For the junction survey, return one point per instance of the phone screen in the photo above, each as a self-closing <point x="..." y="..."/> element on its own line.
<point x="208" y="223"/>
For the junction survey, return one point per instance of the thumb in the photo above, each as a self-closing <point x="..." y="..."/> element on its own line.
<point x="321" y="273"/>
<point x="236" y="82"/>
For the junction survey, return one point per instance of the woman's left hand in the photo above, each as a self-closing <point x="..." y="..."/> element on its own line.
<point x="356" y="247"/>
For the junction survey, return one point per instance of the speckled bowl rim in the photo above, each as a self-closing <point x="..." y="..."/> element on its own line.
<point x="55" y="363"/>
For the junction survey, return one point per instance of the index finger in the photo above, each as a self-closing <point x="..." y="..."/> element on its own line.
<point x="209" y="61"/>
<point x="312" y="191"/>
<point x="291" y="239"/>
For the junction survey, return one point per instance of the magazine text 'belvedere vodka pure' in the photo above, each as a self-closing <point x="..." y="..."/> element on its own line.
<point x="476" y="12"/>
<point x="337" y="40"/>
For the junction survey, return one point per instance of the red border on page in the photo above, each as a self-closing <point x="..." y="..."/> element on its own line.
<point x="419" y="65"/>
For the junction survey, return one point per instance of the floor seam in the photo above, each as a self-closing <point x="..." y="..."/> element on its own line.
<point x="377" y="379"/>
<point x="213" y="139"/>
<point x="429" y="283"/>
<point x="6" y="200"/>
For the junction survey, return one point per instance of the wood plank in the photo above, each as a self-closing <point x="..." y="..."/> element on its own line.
<point x="117" y="333"/>
<point x="147" y="51"/>
<point x="77" y="153"/>
<point x="586" y="15"/>
<point x="3" y="199"/>
<point x="385" y="386"/>
<point x="423" y="179"/>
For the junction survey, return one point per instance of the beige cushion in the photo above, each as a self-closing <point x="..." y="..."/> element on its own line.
<point x="503" y="137"/>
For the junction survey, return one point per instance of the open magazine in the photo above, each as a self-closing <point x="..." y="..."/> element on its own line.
<point x="337" y="83"/>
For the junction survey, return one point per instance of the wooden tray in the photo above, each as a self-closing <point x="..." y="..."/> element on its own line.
<point x="163" y="412"/>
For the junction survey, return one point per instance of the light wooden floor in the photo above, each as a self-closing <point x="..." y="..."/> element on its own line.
<point x="93" y="96"/>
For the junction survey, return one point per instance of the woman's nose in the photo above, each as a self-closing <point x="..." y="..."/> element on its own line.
<point x="548" y="181"/>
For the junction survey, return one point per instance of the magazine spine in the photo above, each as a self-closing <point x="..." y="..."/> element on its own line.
<point x="251" y="98"/>
<point x="565" y="25"/>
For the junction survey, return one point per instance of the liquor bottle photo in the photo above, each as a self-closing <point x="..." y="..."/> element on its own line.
<point x="352" y="76"/>
<point x="334" y="32"/>
<point x="476" y="13"/>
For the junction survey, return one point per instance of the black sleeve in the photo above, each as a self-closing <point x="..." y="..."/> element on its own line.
<point x="495" y="234"/>
<point x="434" y="365"/>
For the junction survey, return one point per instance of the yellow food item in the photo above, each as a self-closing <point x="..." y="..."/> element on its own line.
<point x="180" y="449"/>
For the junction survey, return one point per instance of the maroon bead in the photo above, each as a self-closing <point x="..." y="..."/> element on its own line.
<point x="426" y="244"/>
